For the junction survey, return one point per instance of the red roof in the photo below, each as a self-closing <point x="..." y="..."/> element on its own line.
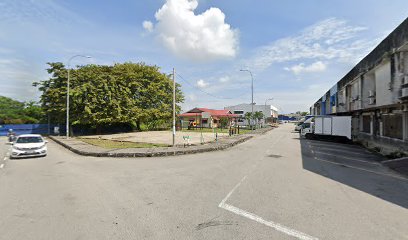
<point x="213" y="112"/>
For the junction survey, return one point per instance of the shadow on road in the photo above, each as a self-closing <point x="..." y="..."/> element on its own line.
<point x="355" y="167"/>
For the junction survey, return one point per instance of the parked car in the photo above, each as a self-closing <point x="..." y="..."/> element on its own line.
<point x="298" y="126"/>
<point x="29" y="145"/>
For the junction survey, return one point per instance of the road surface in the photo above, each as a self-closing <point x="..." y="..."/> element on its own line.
<point x="275" y="186"/>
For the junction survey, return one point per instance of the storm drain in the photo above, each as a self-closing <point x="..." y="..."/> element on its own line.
<point x="274" y="156"/>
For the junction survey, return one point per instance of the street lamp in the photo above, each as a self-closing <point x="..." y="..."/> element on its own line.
<point x="269" y="99"/>
<point x="69" y="67"/>
<point x="252" y="91"/>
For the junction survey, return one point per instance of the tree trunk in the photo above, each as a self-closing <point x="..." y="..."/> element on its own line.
<point x="98" y="129"/>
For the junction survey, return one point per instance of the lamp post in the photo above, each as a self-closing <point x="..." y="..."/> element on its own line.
<point x="69" y="67"/>
<point x="268" y="99"/>
<point x="174" y="107"/>
<point x="252" y="92"/>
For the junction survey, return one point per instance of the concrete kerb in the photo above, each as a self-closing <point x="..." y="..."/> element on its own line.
<point x="147" y="152"/>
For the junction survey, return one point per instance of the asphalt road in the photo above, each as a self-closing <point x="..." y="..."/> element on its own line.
<point x="272" y="187"/>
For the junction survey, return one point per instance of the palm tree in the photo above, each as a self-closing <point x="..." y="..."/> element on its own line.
<point x="258" y="116"/>
<point x="248" y="117"/>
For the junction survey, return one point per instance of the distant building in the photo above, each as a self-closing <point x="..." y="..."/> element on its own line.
<point x="206" y="118"/>
<point x="270" y="112"/>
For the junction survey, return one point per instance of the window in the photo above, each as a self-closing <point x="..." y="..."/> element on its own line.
<point x="204" y="121"/>
<point x="238" y="112"/>
<point x="367" y="124"/>
<point x="392" y="125"/>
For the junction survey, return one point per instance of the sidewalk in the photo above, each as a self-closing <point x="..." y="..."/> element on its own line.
<point x="85" y="149"/>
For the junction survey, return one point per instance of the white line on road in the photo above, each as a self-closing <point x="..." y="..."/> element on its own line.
<point x="5" y="158"/>
<point x="342" y="151"/>
<point x="276" y="226"/>
<point x="353" y="159"/>
<point x="230" y="193"/>
<point x="394" y="160"/>
<point x="2" y="165"/>
<point x="361" y="169"/>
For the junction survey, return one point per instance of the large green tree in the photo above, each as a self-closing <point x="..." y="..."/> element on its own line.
<point x="130" y="93"/>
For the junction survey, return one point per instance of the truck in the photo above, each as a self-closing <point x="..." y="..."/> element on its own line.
<point x="327" y="127"/>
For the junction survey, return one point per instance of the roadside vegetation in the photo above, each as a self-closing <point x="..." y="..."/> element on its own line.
<point x="15" y="112"/>
<point x="216" y="130"/>
<point x="104" y="97"/>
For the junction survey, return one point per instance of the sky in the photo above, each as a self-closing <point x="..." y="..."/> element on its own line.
<point x="296" y="50"/>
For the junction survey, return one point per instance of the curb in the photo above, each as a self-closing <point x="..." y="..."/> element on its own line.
<point x="152" y="153"/>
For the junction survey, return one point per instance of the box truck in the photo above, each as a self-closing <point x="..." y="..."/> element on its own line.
<point x="327" y="127"/>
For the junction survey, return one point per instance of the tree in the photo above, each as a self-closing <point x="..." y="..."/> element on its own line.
<point x="224" y="122"/>
<point x="248" y="117"/>
<point x="15" y="112"/>
<point x="101" y="96"/>
<point x="258" y="116"/>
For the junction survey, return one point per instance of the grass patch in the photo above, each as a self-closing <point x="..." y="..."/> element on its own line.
<point x="209" y="130"/>
<point x="110" y="144"/>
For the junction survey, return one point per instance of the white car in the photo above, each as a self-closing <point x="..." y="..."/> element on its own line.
<point x="29" y="145"/>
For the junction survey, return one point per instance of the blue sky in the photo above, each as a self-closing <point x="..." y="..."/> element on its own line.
<point x="296" y="50"/>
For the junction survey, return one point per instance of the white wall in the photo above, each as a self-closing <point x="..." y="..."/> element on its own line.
<point x="368" y="85"/>
<point x="382" y="84"/>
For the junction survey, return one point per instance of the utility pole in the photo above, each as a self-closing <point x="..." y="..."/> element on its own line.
<point x="252" y="93"/>
<point x="174" y="107"/>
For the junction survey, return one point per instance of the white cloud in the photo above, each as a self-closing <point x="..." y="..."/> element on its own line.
<point x="148" y="26"/>
<point x="330" y="39"/>
<point x="224" y="79"/>
<point x="202" y="37"/>
<point x="202" y="84"/>
<point x="312" y="68"/>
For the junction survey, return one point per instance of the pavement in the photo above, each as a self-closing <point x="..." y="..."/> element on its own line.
<point x="274" y="186"/>
<point x="85" y="149"/>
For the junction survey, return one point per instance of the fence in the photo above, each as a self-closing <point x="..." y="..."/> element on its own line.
<point x="19" y="129"/>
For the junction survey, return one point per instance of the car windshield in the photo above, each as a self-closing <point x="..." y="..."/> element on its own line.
<point x="29" y="140"/>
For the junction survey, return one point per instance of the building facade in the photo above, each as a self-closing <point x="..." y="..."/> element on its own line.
<point x="270" y="112"/>
<point x="375" y="94"/>
<point x="206" y="118"/>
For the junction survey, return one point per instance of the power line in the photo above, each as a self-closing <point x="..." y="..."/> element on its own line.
<point x="209" y="94"/>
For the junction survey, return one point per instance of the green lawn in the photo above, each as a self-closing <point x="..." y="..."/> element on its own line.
<point x="109" y="144"/>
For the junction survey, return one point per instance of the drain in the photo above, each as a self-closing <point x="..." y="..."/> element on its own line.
<point x="274" y="156"/>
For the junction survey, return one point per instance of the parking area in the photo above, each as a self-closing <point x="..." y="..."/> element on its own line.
<point x="348" y="156"/>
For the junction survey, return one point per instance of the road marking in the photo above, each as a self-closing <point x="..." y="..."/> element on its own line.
<point x="394" y="160"/>
<point x="2" y="165"/>
<point x="5" y="158"/>
<point x="256" y="218"/>
<point x="353" y="159"/>
<point x="338" y="150"/>
<point x="233" y="190"/>
<point x="361" y="169"/>
<point x="276" y="226"/>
